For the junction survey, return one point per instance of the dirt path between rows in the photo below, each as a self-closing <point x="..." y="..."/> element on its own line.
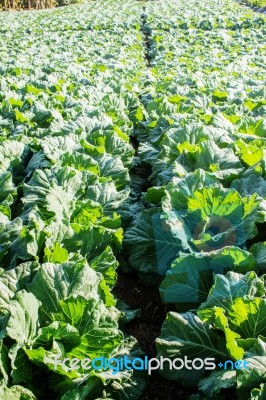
<point x="146" y="329"/>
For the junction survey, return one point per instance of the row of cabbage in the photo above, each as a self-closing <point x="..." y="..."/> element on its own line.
<point x="199" y="229"/>
<point x="69" y="86"/>
<point x="258" y="5"/>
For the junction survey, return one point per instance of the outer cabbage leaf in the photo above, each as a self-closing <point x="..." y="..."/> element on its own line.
<point x="18" y="241"/>
<point x="151" y="244"/>
<point x="186" y="335"/>
<point x="54" y="192"/>
<point x="214" y="384"/>
<point x="215" y="217"/>
<point x="255" y="375"/>
<point x="222" y="163"/>
<point x="23" y="321"/>
<point x="187" y="138"/>
<point x="228" y="288"/>
<point x="16" y="392"/>
<point x="56" y="282"/>
<point x="13" y="281"/>
<point x="259" y="252"/>
<point x="191" y="277"/>
<point x="249" y="185"/>
<point x="179" y="190"/>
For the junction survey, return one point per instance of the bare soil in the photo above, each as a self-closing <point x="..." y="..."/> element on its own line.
<point x="146" y="329"/>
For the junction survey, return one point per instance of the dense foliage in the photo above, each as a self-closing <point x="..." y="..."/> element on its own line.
<point x="75" y="85"/>
<point x="203" y="132"/>
<point x="65" y="153"/>
<point x="257" y="3"/>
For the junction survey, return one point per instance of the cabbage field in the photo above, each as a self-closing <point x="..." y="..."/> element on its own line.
<point x="133" y="144"/>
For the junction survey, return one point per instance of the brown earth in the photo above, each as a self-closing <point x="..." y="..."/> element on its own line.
<point x="145" y="329"/>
